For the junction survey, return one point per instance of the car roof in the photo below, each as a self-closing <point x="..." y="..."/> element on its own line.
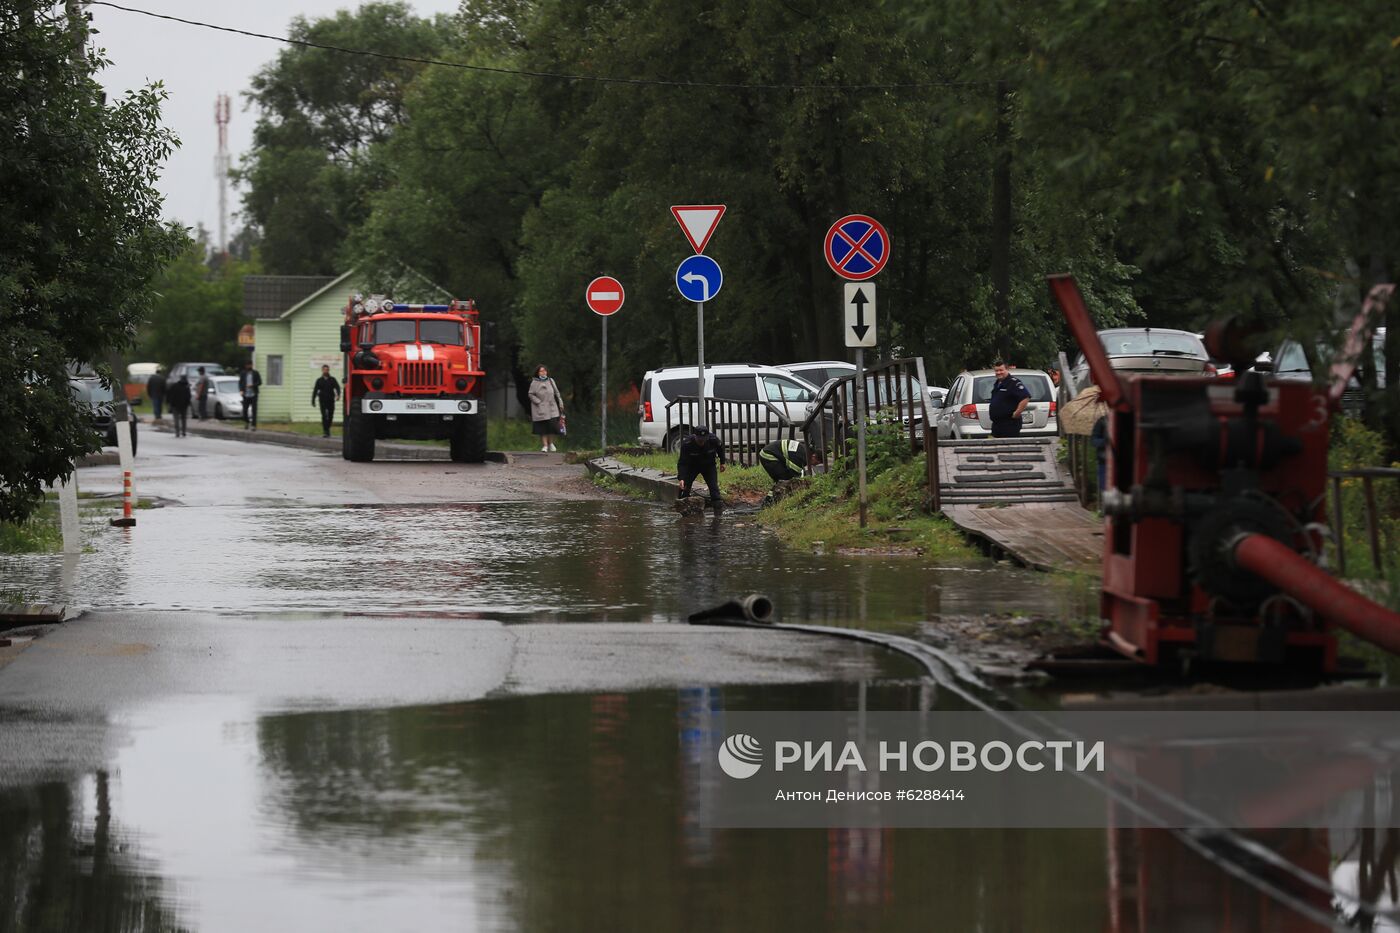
<point x="1015" y="372"/>
<point x="1143" y="330"/>
<point x="816" y="363"/>
<point x="724" y="368"/>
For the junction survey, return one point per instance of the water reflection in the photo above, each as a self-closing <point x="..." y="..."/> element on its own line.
<point x="590" y="561"/>
<point x="65" y="864"/>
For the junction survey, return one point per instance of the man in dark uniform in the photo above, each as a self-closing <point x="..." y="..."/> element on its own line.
<point x="155" y="388"/>
<point x="326" y="390"/>
<point x="783" y="459"/>
<point x="1009" y="399"/>
<point x="697" y="457"/>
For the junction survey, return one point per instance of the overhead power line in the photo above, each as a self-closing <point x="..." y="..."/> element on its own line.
<point x="549" y="75"/>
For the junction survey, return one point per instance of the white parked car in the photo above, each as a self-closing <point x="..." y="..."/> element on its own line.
<point x="786" y="395"/>
<point x="823" y="371"/>
<point x="965" y="409"/>
<point x="224" y="401"/>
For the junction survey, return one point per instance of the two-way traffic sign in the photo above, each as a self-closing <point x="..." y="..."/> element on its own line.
<point x="860" y="314"/>
<point x="698" y="278"/>
<point x="604" y="295"/>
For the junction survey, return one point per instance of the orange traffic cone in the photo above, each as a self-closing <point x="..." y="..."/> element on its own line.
<point x="126" y="521"/>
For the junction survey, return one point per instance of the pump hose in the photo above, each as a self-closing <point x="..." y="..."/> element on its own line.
<point x="1314" y="587"/>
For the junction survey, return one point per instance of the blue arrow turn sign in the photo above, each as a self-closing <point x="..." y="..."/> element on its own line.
<point x="698" y="278"/>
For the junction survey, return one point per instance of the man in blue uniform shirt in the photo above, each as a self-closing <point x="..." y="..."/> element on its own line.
<point x="1009" y="399"/>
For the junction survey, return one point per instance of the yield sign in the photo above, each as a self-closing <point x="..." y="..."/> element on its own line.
<point x="604" y="295"/>
<point x="698" y="222"/>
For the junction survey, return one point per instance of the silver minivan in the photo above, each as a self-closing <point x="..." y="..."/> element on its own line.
<point x="965" y="409"/>
<point x="786" y="396"/>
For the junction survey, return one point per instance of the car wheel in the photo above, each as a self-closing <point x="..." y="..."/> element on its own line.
<point x="673" y="440"/>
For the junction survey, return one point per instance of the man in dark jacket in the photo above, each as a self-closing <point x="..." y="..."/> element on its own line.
<point x="326" y="391"/>
<point x="155" y="388"/>
<point x="248" y="382"/>
<point x="201" y="395"/>
<point x="1009" y="399"/>
<point x="178" y="394"/>
<point x="697" y="457"/>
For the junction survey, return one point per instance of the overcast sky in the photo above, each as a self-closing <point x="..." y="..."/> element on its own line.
<point x="196" y="65"/>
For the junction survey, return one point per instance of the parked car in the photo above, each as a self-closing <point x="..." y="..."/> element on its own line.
<point x="181" y="370"/>
<point x="1290" y="362"/>
<point x="882" y="399"/>
<point x="965" y="410"/>
<point x="101" y="399"/>
<point x="1148" y="350"/>
<point x="820" y="373"/>
<point x="787" y="396"/>
<point x="224" y="400"/>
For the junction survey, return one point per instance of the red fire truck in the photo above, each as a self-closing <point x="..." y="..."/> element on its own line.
<point x="412" y="371"/>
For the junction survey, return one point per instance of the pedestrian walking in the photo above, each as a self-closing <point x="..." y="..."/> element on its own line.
<point x="1009" y="399"/>
<point x="546" y="407"/>
<point x="155" y="388"/>
<point x="698" y="455"/>
<point x="248" y="383"/>
<point x="325" y="393"/>
<point x="201" y="395"/>
<point x="178" y="395"/>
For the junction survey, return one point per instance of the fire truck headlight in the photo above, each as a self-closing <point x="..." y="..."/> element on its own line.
<point x="376" y="405"/>
<point x="464" y="406"/>
<point x="377" y="383"/>
<point x="461" y="384"/>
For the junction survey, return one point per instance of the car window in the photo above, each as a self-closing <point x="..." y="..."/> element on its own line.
<point x="446" y="332"/>
<point x="1037" y="385"/>
<point x="741" y="388"/>
<point x="817" y="375"/>
<point x="1147" y="342"/>
<point x="226" y="384"/>
<point x="671" y="389"/>
<point x="779" y="389"/>
<point x="91" y="391"/>
<point x="395" y="332"/>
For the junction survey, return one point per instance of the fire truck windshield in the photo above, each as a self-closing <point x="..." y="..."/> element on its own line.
<point x="394" y="332"/>
<point x="447" y="332"/>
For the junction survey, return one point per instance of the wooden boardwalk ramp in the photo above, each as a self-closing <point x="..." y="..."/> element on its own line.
<point x="1013" y="496"/>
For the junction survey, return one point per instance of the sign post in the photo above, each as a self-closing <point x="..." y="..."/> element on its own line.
<point x="699" y="278"/>
<point x="857" y="248"/>
<point x="605" y="296"/>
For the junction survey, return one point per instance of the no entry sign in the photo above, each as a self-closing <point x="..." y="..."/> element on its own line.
<point x="857" y="247"/>
<point x="604" y="295"/>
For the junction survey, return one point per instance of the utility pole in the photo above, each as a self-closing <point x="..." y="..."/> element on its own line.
<point x="221" y="167"/>
<point x="1001" y="221"/>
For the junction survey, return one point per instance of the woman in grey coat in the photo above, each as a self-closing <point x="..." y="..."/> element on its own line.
<point x="546" y="407"/>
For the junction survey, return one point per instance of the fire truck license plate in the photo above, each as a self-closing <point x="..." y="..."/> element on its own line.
<point x="419" y="406"/>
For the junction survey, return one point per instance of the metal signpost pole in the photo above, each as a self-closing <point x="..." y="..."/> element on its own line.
<point x="700" y="351"/>
<point x="603" y="395"/>
<point x="860" y="428"/>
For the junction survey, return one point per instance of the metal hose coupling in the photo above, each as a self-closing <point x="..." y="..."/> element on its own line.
<point x="754" y="607"/>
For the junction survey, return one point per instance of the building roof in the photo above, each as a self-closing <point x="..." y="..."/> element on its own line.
<point x="270" y="296"/>
<point x="316" y="294"/>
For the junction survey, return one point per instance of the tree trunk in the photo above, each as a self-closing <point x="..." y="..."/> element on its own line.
<point x="1001" y="222"/>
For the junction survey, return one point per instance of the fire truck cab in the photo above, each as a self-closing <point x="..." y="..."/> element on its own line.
<point x="412" y="371"/>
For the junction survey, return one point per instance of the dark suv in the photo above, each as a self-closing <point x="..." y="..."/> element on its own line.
<point x="88" y="388"/>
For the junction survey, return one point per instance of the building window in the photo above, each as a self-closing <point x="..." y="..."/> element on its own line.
<point x="274" y="370"/>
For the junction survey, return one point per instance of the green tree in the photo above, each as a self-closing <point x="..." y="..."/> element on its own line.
<point x="83" y="241"/>
<point x="312" y="168"/>
<point x="198" y="309"/>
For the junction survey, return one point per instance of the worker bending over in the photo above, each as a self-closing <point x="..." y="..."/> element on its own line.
<point x="699" y="453"/>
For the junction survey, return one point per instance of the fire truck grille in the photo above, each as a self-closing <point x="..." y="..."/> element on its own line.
<point x="420" y="375"/>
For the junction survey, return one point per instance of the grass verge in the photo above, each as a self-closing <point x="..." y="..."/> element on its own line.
<point x="823" y="511"/>
<point x="735" y="482"/>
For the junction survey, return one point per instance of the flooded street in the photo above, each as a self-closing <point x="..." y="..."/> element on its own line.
<point x="460" y="700"/>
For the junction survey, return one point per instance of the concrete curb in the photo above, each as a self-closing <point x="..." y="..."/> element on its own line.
<point x="660" y="486"/>
<point x="329" y="444"/>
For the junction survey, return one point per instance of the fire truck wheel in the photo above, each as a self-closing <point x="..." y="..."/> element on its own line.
<point x="468" y="441"/>
<point x="357" y="438"/>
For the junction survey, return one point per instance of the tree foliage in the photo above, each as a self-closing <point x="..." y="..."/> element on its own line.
<point x="1184" y="159"/>
<point x="197" y="310"/>
<point x="83" y="241"/>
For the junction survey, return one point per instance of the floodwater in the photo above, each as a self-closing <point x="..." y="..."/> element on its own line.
<point x="558" y="811"/>
<point x="581" y="560"/>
